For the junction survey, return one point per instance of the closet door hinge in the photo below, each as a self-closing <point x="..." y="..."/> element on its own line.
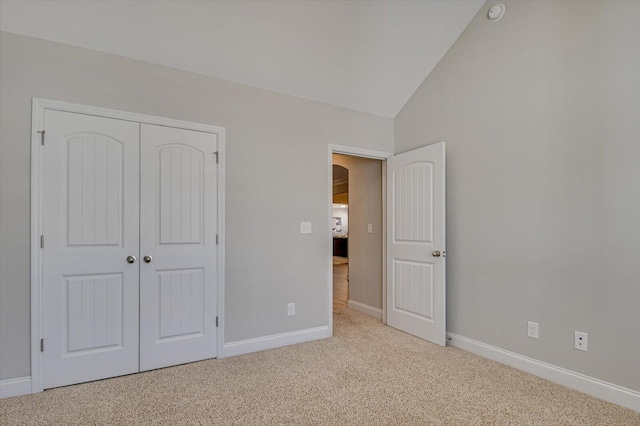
<point x="41" y="241"/>
<point x="41" y="345"/>
<point x="216" y="154"/>
<point x="216" y="239"/>
<point x="216" y="321"/>
<point x="41" y="136"/>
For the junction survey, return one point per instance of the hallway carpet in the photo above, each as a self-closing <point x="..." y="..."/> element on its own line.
<point x="367" y="374"/>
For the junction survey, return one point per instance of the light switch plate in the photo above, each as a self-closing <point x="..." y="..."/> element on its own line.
<point x="305" y="227"/>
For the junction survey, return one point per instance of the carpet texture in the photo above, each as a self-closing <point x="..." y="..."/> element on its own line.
<point x="367" y="374"/>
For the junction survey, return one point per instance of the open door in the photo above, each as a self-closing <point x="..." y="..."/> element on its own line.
<point x="416" y="243"/>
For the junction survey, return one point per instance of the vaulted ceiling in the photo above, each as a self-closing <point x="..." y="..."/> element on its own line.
<point x="364" y="55"/>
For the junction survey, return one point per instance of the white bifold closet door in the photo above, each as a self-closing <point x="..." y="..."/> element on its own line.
<point x="178" y="234"/>
<point x="130" y="254"/>
<point x="90" y="223"/>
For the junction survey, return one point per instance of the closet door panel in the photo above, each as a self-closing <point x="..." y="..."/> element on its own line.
<point x="178" y="240"/>
<point x="90" y="225"/>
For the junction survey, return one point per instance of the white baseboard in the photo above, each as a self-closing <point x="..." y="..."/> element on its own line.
<point x="274" y="341"/>
<point x="15" y="387"/>
<point x="600" y="389"/>
<point x="365" y="309"/>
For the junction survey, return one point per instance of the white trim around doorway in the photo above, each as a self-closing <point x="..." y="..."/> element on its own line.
<point x="37" y="123"/>
<point x="366" y="153"/>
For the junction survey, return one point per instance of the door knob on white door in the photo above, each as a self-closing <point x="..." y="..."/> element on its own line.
<point x="131" y="259"/>
<point x="436" y="253"/>
<point x="147" y="259"/>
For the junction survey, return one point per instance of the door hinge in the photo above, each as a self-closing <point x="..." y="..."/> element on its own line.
<point x="216" y="239"/>
<point x="41" y="241"/>
<point x="216" y="321"/>
<point x="41" y="136"/>
<point x="41" y="345"/>
<point x="216" y="154"/>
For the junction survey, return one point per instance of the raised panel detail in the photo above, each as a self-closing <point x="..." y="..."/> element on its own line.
<point x="413" y="203"/>
<point x="181" y="302"/>
<point x="94" y="311"/>
<point x="94" y="191"/>
<point x="414" y="288"/>
<point x="181" y="195"/>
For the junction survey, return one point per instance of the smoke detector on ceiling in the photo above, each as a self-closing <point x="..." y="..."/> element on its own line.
<point x="496" y="12"/>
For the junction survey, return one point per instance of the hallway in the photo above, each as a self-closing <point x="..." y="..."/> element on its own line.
<point x="341" y="283"/>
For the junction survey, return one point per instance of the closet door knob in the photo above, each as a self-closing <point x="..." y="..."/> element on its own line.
<point x="147" y="259"/>
<point x="436" y="253"/>
<point x="131" y="259"/>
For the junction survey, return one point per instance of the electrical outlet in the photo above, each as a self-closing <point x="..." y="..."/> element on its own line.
<point x="305" y="227"/>
<point x="291" y="309"/>
<point x="370" y="228"/>
<point x="532" y="329"/>
<point x="580" y="341"/>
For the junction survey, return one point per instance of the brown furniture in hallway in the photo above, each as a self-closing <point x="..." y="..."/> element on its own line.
<point x="341" y="246"/>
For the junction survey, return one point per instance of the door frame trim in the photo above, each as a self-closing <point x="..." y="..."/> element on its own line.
<point x="37" y="122"/>
<point x="366" y="153"/>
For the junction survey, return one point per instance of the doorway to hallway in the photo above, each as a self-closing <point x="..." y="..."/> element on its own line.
<point x="412" y="248"/>
<point x="357" y="233"/>
<point x="340" y="234"/>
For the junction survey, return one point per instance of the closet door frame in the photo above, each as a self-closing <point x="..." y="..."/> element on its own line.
<point x="37" y="139"/>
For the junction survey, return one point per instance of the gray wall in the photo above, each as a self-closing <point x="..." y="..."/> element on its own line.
<point x="276" y="177"/>
<point x="541" y="115"/>
<point x="365" y="250"/>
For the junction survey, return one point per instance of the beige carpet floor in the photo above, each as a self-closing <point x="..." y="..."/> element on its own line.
<point x="367" y="374"/>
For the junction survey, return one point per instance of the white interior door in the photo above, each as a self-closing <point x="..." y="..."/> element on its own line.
<point x="178" y="234"/>
<point x="90" y="226"/>
<point x="416" y="242"/>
